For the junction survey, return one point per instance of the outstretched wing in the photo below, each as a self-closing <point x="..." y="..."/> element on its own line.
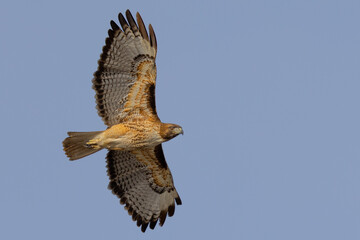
<point x="125" y="79"/>
<point x="143" y="182"/>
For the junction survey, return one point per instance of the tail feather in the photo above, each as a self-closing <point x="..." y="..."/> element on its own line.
<point x="75" y="146"/>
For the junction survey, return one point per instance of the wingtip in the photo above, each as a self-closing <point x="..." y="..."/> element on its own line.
<point x="142" y="27"/>
<point x="144" y="227"/>
<point x="153" y="224"/>
<point x="162" y="217"/>
<point x="178" y="200"/>
<point x="153" y="40"/>
<point x="171" y="210"/>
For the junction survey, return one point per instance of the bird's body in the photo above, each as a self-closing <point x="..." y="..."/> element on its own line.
<point x="129" y="136"/>
<point x="125" y="95"/>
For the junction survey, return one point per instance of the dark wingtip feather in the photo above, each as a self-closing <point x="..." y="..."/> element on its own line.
<point x="134" y="216"/>
<point x="144" y="226"/>
<point x="152" y="37"/>
<point x="111" y="33"/>
<point x="108" y="42"/>
<point x="139" y="222"/>
<point x="153" y="224"/>
<point x="162" y="217"/>
<point x="114" y="26"/>
<point x="142" y="27"/>
<point x="171" y="210"/>
<point x="123" y="200"/>
<point x="178" y="200"/>
<point x="130" y="210"/>
<point x="123" y="22"/>
<point x="131" y="21"/>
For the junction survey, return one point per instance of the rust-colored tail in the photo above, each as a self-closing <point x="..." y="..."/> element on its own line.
<point x="75" y="146"/>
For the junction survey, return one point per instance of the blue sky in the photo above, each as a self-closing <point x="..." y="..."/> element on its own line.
<point x="267" y="93"/>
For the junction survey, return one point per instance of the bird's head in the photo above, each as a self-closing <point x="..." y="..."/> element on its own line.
<point x="169" y="131"/>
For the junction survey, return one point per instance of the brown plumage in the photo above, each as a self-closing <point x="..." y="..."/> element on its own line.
<point x="125" y="95"/>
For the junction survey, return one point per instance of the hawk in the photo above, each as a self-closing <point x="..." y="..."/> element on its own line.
<point x="125" y="95"/>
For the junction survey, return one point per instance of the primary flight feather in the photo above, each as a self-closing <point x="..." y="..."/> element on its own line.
<point x="125" y="95"/>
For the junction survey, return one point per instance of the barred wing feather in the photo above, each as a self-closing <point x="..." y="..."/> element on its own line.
<point x="143" y="182"/>
<point x="125" y="79"/>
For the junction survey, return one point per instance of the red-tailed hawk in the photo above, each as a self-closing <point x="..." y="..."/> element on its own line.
<point x="125" y="95"/>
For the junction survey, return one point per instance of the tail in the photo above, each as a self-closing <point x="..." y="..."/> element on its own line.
<point x="75" y="146"/>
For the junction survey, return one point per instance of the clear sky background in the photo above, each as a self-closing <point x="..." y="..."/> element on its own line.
<point x="267" y="92"/>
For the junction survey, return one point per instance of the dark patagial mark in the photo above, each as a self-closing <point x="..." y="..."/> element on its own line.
<point x="152" y="98"/>
<point x="159" y="153"/>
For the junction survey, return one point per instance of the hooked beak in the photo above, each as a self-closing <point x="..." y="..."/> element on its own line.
<point x="179" y="130"/>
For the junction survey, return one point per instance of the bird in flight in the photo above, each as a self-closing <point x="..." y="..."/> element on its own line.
<point x="125" y="95"/>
